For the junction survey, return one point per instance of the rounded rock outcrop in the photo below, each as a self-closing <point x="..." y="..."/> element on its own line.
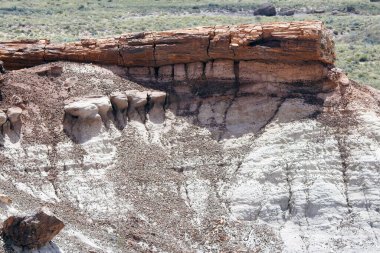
<point x="81" y="109"/>
<point x="266" y="9"/>
<point x="14" y="114"/>
<point x="120" y="100"/>
<point x="157" y="96"/>
<point x="137" y="98"/>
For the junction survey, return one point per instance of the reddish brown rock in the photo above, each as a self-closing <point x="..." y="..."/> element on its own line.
<point x="280" y="72"/>
<point x="220" y="69"/>
<point x="23" y="53"/>
<point x="290" y="41"/>
<point x="32" y="231"/>
<point x="194" y="70"/>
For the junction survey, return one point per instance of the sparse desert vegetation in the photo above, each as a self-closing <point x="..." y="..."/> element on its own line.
<point x="355" y="23"/>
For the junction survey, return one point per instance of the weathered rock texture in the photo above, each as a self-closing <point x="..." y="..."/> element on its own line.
<point x="33" y="231"/>
<point x="300" y="41"/>
<point x="205" y="154"/>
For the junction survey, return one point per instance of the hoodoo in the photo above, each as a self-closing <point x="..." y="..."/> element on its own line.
<point x="239" y="138"/>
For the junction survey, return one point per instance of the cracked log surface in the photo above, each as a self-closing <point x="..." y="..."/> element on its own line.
<point x="294" y="41"/>
<point x="212" y="155"/>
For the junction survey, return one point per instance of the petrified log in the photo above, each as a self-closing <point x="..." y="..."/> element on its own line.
<point x="281" y="41"/>
<point x="32" y="231"/>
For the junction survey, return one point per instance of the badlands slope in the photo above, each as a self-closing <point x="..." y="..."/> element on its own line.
<point x="217" y="139"/>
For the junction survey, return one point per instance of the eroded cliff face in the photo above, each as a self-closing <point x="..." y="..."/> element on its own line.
<point x="223" y="139"/>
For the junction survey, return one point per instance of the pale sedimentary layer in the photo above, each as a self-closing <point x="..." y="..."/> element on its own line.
<point x="282" y="41"/>
<point x="231" y="166"/>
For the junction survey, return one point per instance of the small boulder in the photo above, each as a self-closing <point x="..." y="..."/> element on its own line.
<point x="32" y="231"/>
<point x="120" y="104"/>
<point x="266" y="9"/>
<point x="318" y="11"/>
<point x="157" y="96"/>
<point x="102" y="102"/>
<point x="137" y="98"/>
<point x="120" y="100"/>
<point x="89" y="107"/>
<point x="351" y="9"/>
<point x="14" y="114"/>
<point x="286" y="12"/>
<point x="81" y="109"/>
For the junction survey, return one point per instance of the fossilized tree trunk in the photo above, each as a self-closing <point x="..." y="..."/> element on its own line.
<point x="294" y="41"/>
